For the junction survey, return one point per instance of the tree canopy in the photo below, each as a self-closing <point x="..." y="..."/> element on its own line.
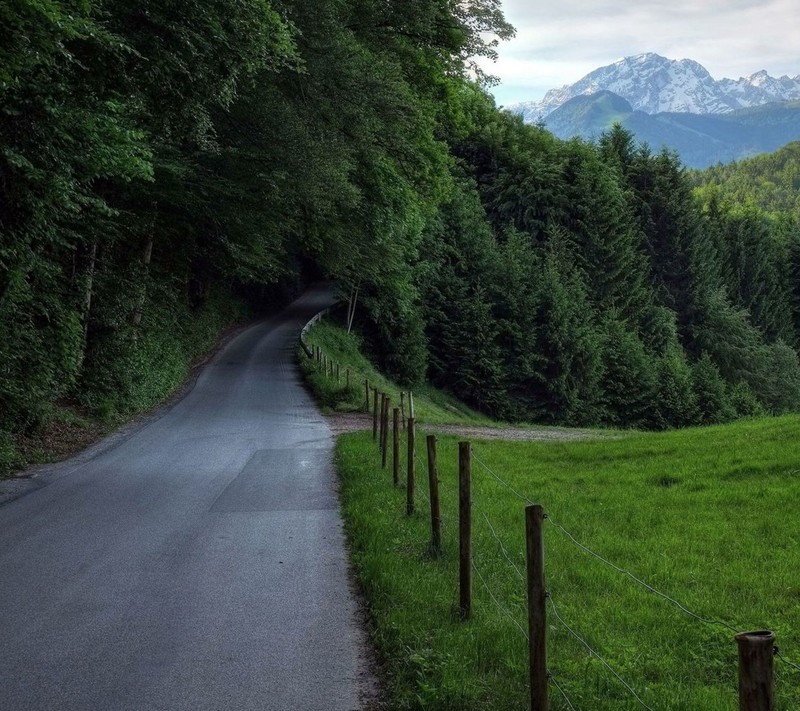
<point x="164" y="166"/>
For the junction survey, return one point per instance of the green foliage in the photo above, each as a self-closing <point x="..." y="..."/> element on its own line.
<point x="158" y="159"/>
<point x="347" y="349"/>
<point x="713" y="402"/>
<point x="744" y="401"/>
<point x="770" y="181"/>
<point x="628" y="377"/>
<point x="8" y="453"/>
<point x="675" y="398"/>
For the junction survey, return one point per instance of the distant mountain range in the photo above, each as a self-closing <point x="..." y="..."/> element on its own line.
<point x="654" y="84"/>
<point x="676" y="104"/>
<point x="701" y="140"/>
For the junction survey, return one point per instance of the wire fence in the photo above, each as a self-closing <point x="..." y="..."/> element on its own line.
<point x="419" y="492"/>
<point x="571" y="538"/>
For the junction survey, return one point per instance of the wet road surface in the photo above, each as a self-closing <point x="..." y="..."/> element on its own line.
<point x="197" y="564"/>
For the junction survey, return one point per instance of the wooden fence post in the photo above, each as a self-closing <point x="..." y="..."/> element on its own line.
<point x="396" y="446"/>
<point x="756" y="680"/>
<point x="410" y="470"/>
<point x="403" y="408"/>
<point x="375" y="414"/>
<point x="433" y="485"/>
<point x="464" y="530"/>
<point x="380" y="422"/>
<point x="337" y="373"/>
<point x="537" y="599"/>
<point x="385" y="432"/>
<point x="347" y="378"/>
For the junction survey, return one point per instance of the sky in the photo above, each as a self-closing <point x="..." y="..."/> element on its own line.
<point x="560" y="41"/>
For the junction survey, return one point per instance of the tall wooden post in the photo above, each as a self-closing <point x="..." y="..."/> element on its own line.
<point x="403" y="408"/>
<point x="410" y="474"/>
<point x="756" y="680"/>
<point x="375" y="414"/>
<point x="380" y="421"/>
<point x="433" y="486"/>
<point x="396" y="446"/>
<point x="337" y="373"/>
<point x="537" y="598"/>
<point x="464" y="530"/>
<point x="385" y="433"/>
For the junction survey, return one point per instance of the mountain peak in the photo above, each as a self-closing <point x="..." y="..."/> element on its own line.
<point x="654" y="84"/>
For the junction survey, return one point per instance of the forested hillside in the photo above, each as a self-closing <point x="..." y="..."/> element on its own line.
<point x="164" y="166"/>
<point x="770" y="182"/>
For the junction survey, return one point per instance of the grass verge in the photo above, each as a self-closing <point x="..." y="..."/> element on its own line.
<point x="431" y="405"/>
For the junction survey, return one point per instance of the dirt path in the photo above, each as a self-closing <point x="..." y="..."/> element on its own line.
<point x="341" y="423"/>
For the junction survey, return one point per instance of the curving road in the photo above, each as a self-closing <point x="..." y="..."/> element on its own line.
<point x="198" y="563"/>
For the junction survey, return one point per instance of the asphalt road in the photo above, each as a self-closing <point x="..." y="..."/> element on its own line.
<point x="198" y="563"/>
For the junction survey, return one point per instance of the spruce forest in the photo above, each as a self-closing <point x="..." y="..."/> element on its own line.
<point x="167" y="168"/>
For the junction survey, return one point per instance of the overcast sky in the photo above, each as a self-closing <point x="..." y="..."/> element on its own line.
<point x="560" y="41"/>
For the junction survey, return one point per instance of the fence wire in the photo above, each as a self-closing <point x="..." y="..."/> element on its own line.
<point x="673" y="601"/>
<point x="503" y="550"/>
<point x="500" y="479"/>
<point x="497" y="603"/>
<point x="586" y="549"/>
<point x="785" y="660"/>
<point x="561" y="691"/>
<point x="593" y="652"/>
<point x="570" y="537"/>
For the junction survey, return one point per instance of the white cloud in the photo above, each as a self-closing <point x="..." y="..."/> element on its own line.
<point x="559" y="41"/>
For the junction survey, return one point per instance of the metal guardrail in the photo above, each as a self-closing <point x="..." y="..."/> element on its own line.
<point x="315" y="319"/>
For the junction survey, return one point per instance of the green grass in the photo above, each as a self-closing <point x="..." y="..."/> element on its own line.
<point x="430" y="405"/>
<point x="709" y="516"/>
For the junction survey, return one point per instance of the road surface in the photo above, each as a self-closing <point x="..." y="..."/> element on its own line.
<point x="197" y="564"/>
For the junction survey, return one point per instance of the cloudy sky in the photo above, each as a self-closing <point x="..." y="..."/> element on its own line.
<point x="559" y="41"/>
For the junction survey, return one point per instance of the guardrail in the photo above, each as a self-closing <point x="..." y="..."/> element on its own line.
<point x="315" y="319"/>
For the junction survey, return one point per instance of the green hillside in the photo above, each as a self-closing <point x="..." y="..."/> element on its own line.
<point x="770" y="182"/>
<point x="700" y="140"/>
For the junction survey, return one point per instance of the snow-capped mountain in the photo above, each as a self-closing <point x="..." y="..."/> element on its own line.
<point x="654" y="84"/>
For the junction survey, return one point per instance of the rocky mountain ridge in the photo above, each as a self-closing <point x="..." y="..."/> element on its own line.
<point x="654" y="84"/>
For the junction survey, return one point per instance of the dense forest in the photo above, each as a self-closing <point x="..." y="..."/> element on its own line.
<point x="770" y="182"/>
<point x="167" y="167"/>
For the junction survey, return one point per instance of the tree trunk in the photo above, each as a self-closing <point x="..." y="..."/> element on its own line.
<point x="351" y="306"/>
<point x="147" y="256"/>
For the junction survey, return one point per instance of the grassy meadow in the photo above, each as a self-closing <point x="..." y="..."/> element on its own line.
<point x="708" y="516"/>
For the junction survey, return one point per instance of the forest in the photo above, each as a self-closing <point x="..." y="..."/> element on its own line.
<point x="168" y="168"/>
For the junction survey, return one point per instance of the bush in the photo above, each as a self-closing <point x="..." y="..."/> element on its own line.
<point x="8" y="453"/>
